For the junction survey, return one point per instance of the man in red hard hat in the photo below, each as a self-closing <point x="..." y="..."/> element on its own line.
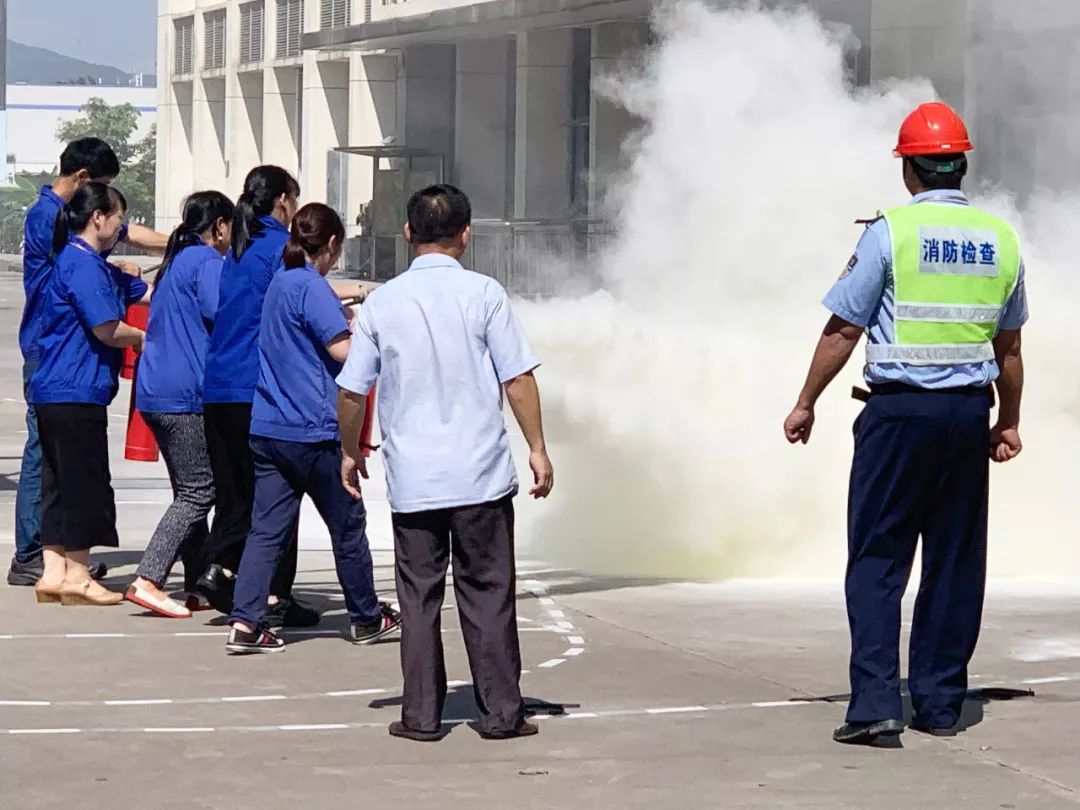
<point x="938" y="288"/>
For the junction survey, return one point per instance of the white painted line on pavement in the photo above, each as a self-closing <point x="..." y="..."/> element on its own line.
<point x="24" y="703"/>
<point x="554" y="662"/>
<point x="153" y="702"/>
<point x="252" y="698"/>
<point x="573" y="652"/>
<point x="599" y="715"/>
<point x="356" y="692"/>
<point x="575" y="640"/>
<point x="678" y="710"/>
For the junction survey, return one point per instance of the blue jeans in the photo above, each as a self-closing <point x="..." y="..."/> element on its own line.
<point x="284" y="473"/>
<point x="28" y="497"/>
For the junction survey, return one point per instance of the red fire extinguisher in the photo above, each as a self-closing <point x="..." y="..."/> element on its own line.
<point x="365" y="429"/>
<point x="138" y="315"/>
<point x="140" y="444"/>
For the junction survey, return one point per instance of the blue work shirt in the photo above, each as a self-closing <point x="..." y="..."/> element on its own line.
<point x="232" y="363"/>
<point x="864" y="296"/>
<point x="38" y="261"/>
<point x="171" y="368"/>
<point x="296" y="398"/>
<point x="83" y="292"/>
<point x="442" y="341"/>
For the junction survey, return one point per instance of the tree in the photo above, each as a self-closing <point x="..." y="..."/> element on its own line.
<point x="116" y="125"/>
<point x="14" y="203"/>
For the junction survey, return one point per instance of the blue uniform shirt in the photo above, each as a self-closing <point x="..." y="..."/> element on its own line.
<point x="442" y="340"/>
<point x="82" y="292"/>
<point x="296" y="398"/>
<point x="232" y="363"/>
<point x="170" y="378"/>
<point x="864" y="296"/>
<point x="37" y="264"/>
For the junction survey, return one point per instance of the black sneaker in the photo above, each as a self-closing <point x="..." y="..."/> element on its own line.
<point x="258" y="641"/>
<point x="290" y="613"/>
<point x="28" y="573"/>
<point x="218" y="587"/>
<point x="369" y="633"/>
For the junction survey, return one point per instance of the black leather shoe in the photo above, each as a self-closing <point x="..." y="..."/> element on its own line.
<point x="934" y="731"/>
<point x="866" y="733"/>
<point x="524" y="729"/>
<point x="218" y="587"/>
<point x="28" y="573"/>
<point x="290" y="613"/>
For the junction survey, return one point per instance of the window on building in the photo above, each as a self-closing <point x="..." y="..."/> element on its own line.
<point x="290" y="27"/>
<point x="214" y="40"/>
<point x="367" y="11"/>
<point x="184" y="46"/>
<point x="334" y="14"/>
<point x="251" y="32"/>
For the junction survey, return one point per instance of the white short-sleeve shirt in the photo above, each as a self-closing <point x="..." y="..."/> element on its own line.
<point x="441" y="340"/>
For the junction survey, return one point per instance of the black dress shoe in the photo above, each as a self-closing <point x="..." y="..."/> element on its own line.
<point x="218" y="587"/>
<point x="935" y="731"/>
<point x="290" y="613"/>
<point x="524" y="729"/>
<point x="866" y="733"/>
<point x="399" y="729"/>
<point x="26" y="574"/>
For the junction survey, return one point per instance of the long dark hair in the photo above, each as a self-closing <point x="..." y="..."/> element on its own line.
<point x="262" y="187"/>
<point x="76" y="215"/>
<point x="312" y="229"/>
<point x="202" y="210"/>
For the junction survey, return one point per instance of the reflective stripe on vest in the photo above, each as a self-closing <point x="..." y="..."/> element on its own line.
<point x="954" y="269"/>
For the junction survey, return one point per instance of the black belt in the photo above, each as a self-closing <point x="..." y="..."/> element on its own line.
<point x="885" y="389"/>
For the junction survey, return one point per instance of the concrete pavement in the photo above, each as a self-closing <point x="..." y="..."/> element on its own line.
<point x="673" y="694"/>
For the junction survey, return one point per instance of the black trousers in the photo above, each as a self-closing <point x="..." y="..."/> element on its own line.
<point x="228" y="427"/>
<point x="480" y="540"/>
<point x="921" y="468"/>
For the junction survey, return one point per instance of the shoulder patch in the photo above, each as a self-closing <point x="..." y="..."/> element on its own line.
<point x="850" y="266"/>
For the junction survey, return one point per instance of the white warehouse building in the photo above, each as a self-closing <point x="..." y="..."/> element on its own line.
<point x="365" y="100"/>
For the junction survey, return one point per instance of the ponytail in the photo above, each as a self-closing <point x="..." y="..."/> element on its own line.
<point x="312" y="229"/>
<point x="262" y="188"/>
<point x="76" y="215"/>
<point x="202" y="210"/>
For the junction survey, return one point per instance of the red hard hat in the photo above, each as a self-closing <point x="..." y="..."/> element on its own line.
<point x="933" y="129"/>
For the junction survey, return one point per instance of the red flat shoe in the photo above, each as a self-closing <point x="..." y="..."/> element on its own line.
<point x="169" y="608"/>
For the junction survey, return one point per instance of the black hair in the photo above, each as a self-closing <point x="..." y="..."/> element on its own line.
<point x="940" y="172"/>
<point x="438" y="213"/>
<point x="92" y="154"/>
<point x="76" y="215"/>
<point x="262" y="187"/>
<point x="312" y="229"/>
<point x="202" y="210"/>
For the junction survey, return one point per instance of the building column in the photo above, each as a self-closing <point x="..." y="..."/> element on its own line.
<point x="243" y="114"/>
<point x="325" y="121"/>
<point x="429" y="98"/>
<point x="208" y="121"/>
<point x="374" y="117"/>
<point x="614" y="45"/>
<point x="281" y="118"/>
<point x="484" y="116"/>
<point x="174" y="140"/>
<point x="542" y="186"/>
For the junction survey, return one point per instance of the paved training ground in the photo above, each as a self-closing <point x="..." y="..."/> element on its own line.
<point x="675" y="695"/>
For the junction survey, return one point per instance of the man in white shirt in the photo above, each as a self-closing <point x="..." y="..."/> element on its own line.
<point x="444" y="344"/>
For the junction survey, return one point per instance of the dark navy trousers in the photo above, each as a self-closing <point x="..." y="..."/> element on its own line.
<point x="921" y="468"/>
<point x="284" y="473"/>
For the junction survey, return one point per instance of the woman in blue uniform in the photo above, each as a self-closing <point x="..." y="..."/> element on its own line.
<point x="295" y="442"/>
<point x="169" y="394"/>
<point x="259" y="233"/>
<point x="82" y="342"/>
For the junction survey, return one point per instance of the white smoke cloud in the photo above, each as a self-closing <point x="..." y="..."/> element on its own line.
<point x="665" y="395"/>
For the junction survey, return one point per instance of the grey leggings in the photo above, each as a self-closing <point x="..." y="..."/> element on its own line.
<point x="182" y="530"/>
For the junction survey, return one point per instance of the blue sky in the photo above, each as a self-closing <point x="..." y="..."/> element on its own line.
<point x="121" y="33"/>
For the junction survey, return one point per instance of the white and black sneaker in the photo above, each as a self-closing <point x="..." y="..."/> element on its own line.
<point x="255" y="642"/>
<point x="387" y="623"/>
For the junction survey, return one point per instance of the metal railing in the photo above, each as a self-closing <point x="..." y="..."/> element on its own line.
<point x="530" y="258"/>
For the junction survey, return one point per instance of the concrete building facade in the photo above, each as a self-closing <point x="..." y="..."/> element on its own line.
<point x="367" y="99"/>
<point x="35" y="112"/>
